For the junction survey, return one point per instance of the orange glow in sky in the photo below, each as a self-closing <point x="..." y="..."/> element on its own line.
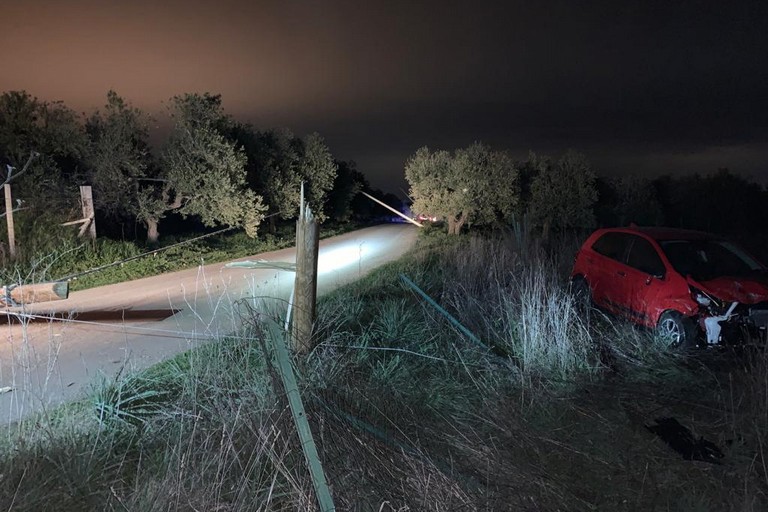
<point x="648" y="88"/>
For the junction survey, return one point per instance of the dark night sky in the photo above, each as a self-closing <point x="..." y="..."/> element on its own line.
<point x="643" y="87"/>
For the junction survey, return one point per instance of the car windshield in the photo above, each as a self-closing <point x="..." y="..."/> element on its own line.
<point x="708" y="259"/>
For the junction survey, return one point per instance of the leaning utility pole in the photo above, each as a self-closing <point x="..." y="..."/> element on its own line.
<point x="385" y="205"/>
<point x="19" y="294"/>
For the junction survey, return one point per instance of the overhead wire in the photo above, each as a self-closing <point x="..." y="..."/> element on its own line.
<point x="77" y="275"/>
<point x="72" y="277"/>
<point x="122" y="327"/>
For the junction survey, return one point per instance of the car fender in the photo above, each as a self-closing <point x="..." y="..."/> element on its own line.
<point x="685" y="306"/>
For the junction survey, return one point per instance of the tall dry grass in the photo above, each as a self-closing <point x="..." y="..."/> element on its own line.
<point x="515" y="297"/>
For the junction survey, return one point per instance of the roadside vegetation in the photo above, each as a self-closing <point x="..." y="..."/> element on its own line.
<point x="546" y="406"/>
<point x="55" y="255"/>
<point x="210" y="173"/>
<point x="551" y="412"/>
<point x="213" y="172"/>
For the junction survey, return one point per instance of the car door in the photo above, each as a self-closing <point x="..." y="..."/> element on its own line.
<point x="644" y="280"/>
<point x="608" y="271"/>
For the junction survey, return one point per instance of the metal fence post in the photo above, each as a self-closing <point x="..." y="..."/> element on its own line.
<point x="308" y="446"/>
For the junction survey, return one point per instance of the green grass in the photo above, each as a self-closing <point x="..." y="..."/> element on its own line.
<point x="409" y="414"/>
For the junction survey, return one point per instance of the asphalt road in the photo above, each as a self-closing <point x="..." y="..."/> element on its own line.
<point x="45" y="363"/>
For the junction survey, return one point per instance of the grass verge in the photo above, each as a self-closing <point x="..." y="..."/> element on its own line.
<point x="409" y="414"/>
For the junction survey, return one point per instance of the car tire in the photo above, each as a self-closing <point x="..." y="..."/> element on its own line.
<point x="675" y="330"/>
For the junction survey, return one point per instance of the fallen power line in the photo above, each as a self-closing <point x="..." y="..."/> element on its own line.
<point x="73" y="277"/>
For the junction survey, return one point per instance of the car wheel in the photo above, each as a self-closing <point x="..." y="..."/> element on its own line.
<point x="675" y="330"/>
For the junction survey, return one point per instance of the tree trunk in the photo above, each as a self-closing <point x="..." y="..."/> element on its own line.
<point x="455" y="224"/>
<point x="451" y="225"/>
<point x="152" y="232"/>
<point x="460" y="223"/>
<point x="273" y="224"/>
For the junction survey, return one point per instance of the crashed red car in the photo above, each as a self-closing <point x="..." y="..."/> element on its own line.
<point x="692" y="287"/>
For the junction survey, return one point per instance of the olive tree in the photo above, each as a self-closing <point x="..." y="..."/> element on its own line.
<point x="51" y="131"/>
<point x="636" y="201"/>
<point x="202" y="171"/>
<point x="563" y="194"/>
<point x="473" y="186"/>
<point x="278" y="163"/>
<point x="277" y="176"/>
<point x="318" y="171"/>
<point x="348" y="182"/>
<point x="118" y="157"/>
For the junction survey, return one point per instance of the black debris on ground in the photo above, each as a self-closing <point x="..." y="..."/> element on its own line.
<point x="680" y="439"/>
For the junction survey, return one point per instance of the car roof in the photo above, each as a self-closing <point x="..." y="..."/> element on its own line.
<point x="662" y="233"/>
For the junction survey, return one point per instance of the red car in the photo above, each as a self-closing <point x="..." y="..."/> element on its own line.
<point x="692" y="287"/>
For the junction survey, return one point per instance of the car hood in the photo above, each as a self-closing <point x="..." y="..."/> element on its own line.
<point x="744" y="290"/>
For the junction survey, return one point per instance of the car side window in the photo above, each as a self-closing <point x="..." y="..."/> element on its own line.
<point x="611" y="245"/>
<point x="644" y="257"/>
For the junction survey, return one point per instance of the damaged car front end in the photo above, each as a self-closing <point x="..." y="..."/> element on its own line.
<point x="729" y="287"/>
<point x="742" y="317"/>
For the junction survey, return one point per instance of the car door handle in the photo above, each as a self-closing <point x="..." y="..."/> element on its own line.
<point x="621" y="273"/>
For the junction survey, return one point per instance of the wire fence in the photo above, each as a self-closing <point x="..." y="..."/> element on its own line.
<point x="367" y="443"/>
<point x="359" y="435"/>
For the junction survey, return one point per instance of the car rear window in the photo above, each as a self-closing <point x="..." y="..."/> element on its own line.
<point x="611" y="245"/>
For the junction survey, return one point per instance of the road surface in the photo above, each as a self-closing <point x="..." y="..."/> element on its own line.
<point x="46" y="363"/>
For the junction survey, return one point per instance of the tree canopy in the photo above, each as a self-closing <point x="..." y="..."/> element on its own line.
<point x="628" y="199"/>
<point x="473" y="186"/>
<point x="348" y="182"/>
<point x="203" y="173"/>
<point x="563" y="193"/>
<point x="118" y="157"/>
<point x="50" y="130"/>
<point x="318" y="171"/>
<point x="278" y="163"/>
<point x="223" y="173"/>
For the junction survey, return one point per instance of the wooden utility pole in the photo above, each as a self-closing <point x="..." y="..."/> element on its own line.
<point x="86" y="199"/>
<point x="369" y="196"/>
<point x="15" y="295"/>
<point x="305" y="287"/>
<point x="9" y="221"/>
